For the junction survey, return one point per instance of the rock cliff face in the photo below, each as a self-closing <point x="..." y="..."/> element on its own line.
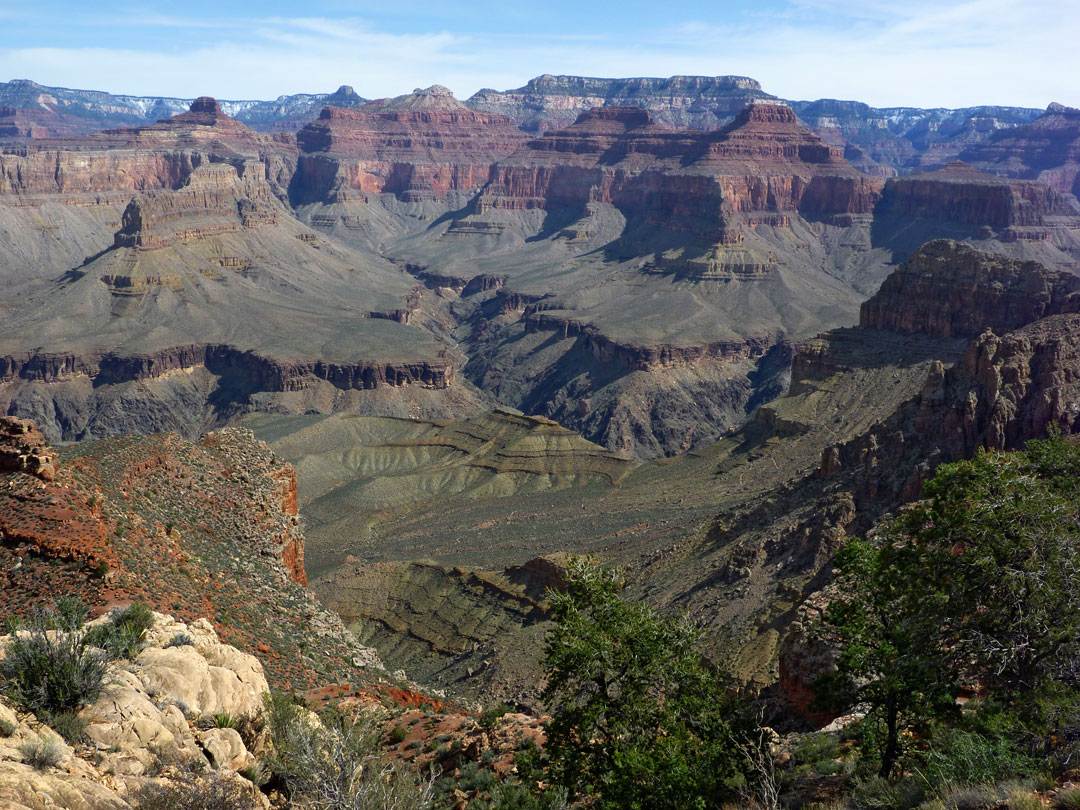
<point x="960" y="193"/>
<point x="159" y="155"/>
<point x="1046" y="149"/>
<point x="55" y="112"/>
<point x="419" y="146"/>
<point x="244" y="367"/>
<point x="208" y="528"/>
<point x="948" y="289"/>
<point x="706" y="186"/>
<point x="764" y="161"/>
<point x="891" y="140"/>
<point x="553" y="102"/>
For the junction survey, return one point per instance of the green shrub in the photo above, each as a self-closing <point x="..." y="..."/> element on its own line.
<point x="969" y="797"/>
<point x="1024" y="801"/>
<point x="43" y="754"/>
<point x="960" y="757"/>
<point x="124" y="634"/>
<point x="254" y="774"/>
<point x="7" y="728"/>
<point x="192" y="793"/>
<point x="72" y="612"/>
<point x="515" y="796"/>
<point x="336" y="762"/>
<point x="397" y="734"/>
<point x="52" y="671"/>
<point x="224" y="720"/>
<point x="181" y="640"/>
<point x="816" y="747"/>
<point x="70" y="724"/>
<point x="489" y="718"/>
<point x="1068" y="799"/>
<point x="881" y="794"/>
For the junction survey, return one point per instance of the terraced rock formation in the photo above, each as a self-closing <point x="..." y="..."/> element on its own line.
<point x="208" y="290"/>
<point x="687" y="102"/>
<point x="1022" y="218"/>
<point x="949" y="289"/>
<point x="36" y="111"/>
<point x="419" y="146"/>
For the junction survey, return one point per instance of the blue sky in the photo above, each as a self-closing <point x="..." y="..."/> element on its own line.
<point x="887" y="53"/>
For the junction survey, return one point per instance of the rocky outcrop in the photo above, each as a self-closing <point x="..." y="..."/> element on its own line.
<point x="154" y="720"/>
<point x="215" y="199"/>
<point x="1046" y="149"/>
<point x="24" y="450"/>
<point x="647" y="357"/>
<point x="950" y="289"/>
<point x="1005" y="391"/>
<point x="200" y="529"/>
<point x="156" y="156"/>
<point x="886" y="141"/>
<point x="420" y="146"/>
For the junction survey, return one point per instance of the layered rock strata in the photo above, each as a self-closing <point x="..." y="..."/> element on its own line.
<point x="1046" y="149"/>
<point x="764" y="162"/>
<point x="959" y="193"/>
<point x="552" y="102"/>
<point x="420" y="146"/>
<point x="949" y="289"/>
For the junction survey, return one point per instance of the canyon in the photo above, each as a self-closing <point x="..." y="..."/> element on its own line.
<point x="375" y="367"/>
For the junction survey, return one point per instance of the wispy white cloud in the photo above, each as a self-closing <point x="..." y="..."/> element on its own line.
<point x="917" y="52"/>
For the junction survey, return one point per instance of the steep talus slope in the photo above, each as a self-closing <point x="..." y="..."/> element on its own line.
<point x="1002" y="391"/>
<point x="651" y="515"/>
<point x="198" y="529"/>
<point x="477" y="633"/>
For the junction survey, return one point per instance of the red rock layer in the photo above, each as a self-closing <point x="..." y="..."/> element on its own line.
<point x="419" y="147"/>
<point x="161" y="155"/>
<point x="949" y="289"/>
<point x="1047" y="149"/>
<point x="961" y="193"/>
<point x="215" y="198"/>
<point x="764" y="161"/>
<point x="194" y="529"/>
